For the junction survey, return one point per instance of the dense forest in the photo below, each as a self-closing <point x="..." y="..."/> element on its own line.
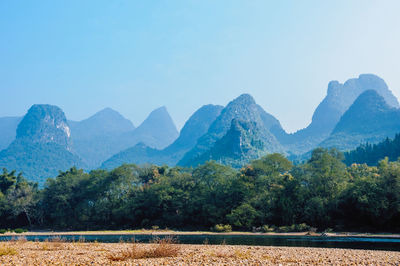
<point x="371" y="154"/>
<point x="271" y="191"/>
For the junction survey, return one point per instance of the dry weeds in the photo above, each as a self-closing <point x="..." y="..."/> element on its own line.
<point x="55" y="243"/>
<point x="159" y="248"/>
<point x="5" y="249"/>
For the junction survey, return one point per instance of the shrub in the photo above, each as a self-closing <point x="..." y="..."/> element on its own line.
<point x="159" y="248"/>
<point x="283" y="229"/>
<point x="19" y="230"/>
<point x="302" y="227"/>
<point x="294" y="228"/>
<point x="6" y="250"/>
<point x="3" y="231"/>
<point x="54" y="243"/>
<point x="155" y="227"/>
<point x="219" y="228"/>
<point x="266" y="228"/>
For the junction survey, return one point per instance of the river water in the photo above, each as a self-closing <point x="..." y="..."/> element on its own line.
<point x="372" y="243"/>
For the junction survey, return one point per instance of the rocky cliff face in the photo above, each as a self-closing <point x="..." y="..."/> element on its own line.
<point x="45" y="124"/>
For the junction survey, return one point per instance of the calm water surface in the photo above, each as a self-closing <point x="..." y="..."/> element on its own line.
<point x="374" y="243"/>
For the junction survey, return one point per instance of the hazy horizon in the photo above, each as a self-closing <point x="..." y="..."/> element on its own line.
<point x="135" y="57"/>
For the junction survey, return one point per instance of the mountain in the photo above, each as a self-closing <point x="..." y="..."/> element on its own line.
<point x="45" y="124"/>
<point x="107" y="133"/>
<point x="338" y="99"/>
<point x="196" y="126"/>
<point x="157" y="131"/>
<point x="369" y="119"/>
<point x="243" y="142"/>
<point x="8" y="130"/>
<point x="42" y="146"/>
<point x="244" y="109"/>
<point x="98" y="137"/>
<point x="371" y="154"/>
<point x="106" y="121"/>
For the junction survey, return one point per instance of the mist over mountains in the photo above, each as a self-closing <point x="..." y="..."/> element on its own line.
<point x="43" y="142"/>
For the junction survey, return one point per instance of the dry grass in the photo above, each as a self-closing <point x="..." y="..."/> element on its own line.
<point x="55" y="243"/>
<point x="20" y="240"/>
<point x="159" y="248"/>
<point x="7" y="250"/>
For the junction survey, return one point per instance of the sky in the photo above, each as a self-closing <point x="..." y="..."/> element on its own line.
<point x="135" y="56"/>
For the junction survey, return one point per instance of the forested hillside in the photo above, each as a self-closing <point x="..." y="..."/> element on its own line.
<point x="270" y="191"/>
<point x="371" y="154"/>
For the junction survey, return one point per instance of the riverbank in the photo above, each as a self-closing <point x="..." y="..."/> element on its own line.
<point x="63" y="253"/>
<point x="171" y="232"/>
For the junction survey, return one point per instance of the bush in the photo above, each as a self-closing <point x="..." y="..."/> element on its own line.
<point x="20" y="230"/>
<point x="159" y="248"/>
<point x="3" y="231"/>
<point x="283" y="229"/>
<point x="266" y="228"/>
<point x="155" y="227"/>
<point x="6" y="250"/>
<point x="294" y="228"/>
<point x="219" y="228"/>
<point x="302" y="227"/>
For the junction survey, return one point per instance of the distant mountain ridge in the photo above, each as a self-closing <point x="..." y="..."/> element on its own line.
<point x="103" y="122"/>
<point x="362" y="110"/>
<point x="157" y="131"/>
<point x="196" y="126"/>
<point x="107" y="133"/>
<point x="369" y="119"/>
<point x="8" y="130"/>
<point x="98" y="137"/>
<point x="328" y="113"/>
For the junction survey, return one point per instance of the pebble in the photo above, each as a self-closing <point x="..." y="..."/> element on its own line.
<point x="33" y="253"/>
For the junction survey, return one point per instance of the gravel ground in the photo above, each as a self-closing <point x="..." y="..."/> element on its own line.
<point x="60" y="253"/>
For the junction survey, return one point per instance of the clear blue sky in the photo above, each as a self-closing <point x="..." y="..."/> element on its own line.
<point x="135" y="56"/>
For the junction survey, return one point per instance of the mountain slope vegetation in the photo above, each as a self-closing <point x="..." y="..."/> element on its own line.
<point x="369" y="119"/>
<point x="196" y="126"/>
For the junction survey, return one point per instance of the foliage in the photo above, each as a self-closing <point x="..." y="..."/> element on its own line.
<point x="219" y="228"/>
<point x="320" y="193"/>
<point x="371" y="154"/>
<point x="7" y="250"/>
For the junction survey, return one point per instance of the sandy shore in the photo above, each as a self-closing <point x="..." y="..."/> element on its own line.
<point x="48" y="253"/>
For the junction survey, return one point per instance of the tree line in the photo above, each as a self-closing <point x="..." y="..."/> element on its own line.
<point x="371" y="154"/>
<point x="322" y="192"/>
